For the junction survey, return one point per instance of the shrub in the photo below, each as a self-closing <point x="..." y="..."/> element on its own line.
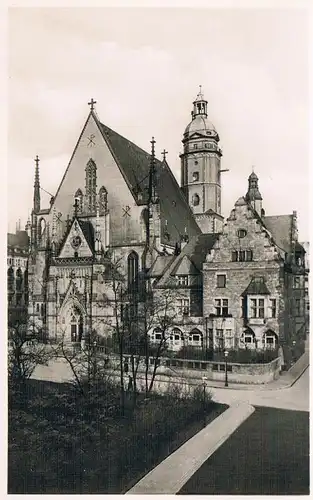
<point x="189" y="352"/>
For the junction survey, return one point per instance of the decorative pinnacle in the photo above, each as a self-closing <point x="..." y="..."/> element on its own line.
<point x="152" y="147"/>
<point x="92" y="104"/>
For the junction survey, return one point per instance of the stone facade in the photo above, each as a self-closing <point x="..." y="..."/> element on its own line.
<point x="17" y="273"/>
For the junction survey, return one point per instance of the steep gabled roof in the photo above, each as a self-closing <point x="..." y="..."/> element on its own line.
<point x="196" y="250"/>
<point x="176" y="215"/>
<point x="280" y="226"/>
<point x="160" y="265"/>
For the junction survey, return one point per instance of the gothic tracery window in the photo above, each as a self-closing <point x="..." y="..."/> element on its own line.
<point x="91" y="186"/>
<point x="103" y="200"/>
<point x="132" y="271"/>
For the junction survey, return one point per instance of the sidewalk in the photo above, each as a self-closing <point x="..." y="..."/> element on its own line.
<point x="171" y="474"/>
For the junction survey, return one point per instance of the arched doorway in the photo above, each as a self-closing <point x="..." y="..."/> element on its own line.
<point x="72" y="322"/>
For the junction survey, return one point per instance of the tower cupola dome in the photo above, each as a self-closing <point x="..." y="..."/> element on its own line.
<point x="200" y="123"/>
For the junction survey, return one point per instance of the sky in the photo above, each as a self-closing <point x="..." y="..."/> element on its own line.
<point x="144" y="66"/>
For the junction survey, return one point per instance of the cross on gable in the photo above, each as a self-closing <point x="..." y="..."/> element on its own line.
<point x="126" y="211"/>
<point x="91" y="140"/>
<point x="91" y="104"/>
<point x="164" y="153"/>
<point x="37" y="160"/>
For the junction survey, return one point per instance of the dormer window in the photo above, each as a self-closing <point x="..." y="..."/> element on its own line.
<point x="195" y="176"/>
<point x="195" y="146"/>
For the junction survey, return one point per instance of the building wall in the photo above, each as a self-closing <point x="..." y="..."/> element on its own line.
<point x="238" y="275"/>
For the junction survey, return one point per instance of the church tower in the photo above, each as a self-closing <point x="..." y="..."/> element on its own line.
<point x="201" y="168"/>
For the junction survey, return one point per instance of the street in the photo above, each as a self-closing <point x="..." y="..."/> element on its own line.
<point x="293" y="398"/>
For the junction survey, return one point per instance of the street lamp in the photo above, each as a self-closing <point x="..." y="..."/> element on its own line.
<point x="226" y="373"/>
<point x="204" y="379"/>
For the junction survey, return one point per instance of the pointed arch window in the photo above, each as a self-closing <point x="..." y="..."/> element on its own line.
<point x="103" y="200"/>
<point x="91" y="186"/>
<point x="79" y="198"/>
<point x="132" y="272"/>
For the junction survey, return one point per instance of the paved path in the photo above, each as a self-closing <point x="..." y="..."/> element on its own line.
<point x="171" y="474"/>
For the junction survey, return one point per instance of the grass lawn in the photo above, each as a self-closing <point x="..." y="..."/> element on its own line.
<point x="59" y="443"/>
<point x="267" y="455"/>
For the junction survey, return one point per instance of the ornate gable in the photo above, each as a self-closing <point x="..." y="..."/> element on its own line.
<point x="79" y="241"/>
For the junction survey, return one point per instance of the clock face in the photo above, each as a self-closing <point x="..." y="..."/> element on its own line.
<point x="76" y="241"/>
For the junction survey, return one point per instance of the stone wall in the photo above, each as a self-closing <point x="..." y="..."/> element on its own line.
<point x="191" y="372"/>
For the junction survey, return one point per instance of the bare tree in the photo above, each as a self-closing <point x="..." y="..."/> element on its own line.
<point x="25" y="353"/>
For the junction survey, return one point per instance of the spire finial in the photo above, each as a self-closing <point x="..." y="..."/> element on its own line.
<point x="200" y="95"/>
<point x="253" y="169"/>
<point x="164" y="153"/>
<point x="92" y="104"/>
<point x="37" y="186"/>
<point x="152" y="147"/>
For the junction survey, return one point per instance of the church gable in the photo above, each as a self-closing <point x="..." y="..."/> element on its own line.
<point x="79" y="241"/>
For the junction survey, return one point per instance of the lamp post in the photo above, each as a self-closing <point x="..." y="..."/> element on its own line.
<point x="204" y="379"/>
<point x="293" y="351"/>
<point x="226" y="372"/>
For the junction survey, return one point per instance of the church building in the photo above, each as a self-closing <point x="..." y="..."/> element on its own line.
<point x="236" y="283"/>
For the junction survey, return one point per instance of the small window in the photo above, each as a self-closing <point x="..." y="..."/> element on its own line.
<point x="182" y="280"/>
<point x="196" y="338"/>
<point x="248" y="255"/>
<point x="195" y="176"/>
<point x="234" y="256"/>
<point x="272" y="308"/>
<point x="195" y="200"/>
<point x="248" y="339"/>
<point x="195" y="146"/>
<point x="196" y="162"/>
<point x="215" y="368"/>
<point x="296" y="282"/>
<point x="158" y="336"/>
<point x="177" y="337"/>
<point x="242" y="233"/>
<point x="221" y="280"/>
